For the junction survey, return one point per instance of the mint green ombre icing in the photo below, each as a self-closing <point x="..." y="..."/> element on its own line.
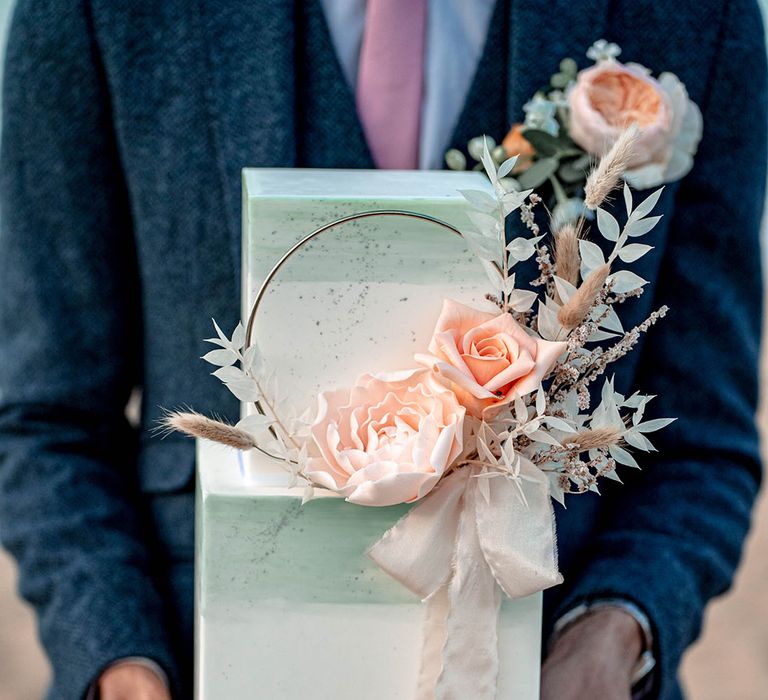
<point x="272" y="547"/>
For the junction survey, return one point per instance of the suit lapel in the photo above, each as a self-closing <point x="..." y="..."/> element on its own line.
<point x="524" y="47"/>
<point x="249" y="89"/>
<point x="540" y="38"/>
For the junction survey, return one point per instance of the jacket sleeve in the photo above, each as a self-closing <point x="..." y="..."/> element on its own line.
<point x="70" y="355"/>
<point x="673" y="534"/>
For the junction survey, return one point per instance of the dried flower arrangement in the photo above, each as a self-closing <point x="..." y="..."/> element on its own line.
<point x="518" y="381"/>
<point x="580" y="115"/>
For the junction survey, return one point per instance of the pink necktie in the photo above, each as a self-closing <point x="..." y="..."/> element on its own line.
<point x="390" y="80"/>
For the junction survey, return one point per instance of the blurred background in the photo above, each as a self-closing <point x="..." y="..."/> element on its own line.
<point x="730" y="661"/>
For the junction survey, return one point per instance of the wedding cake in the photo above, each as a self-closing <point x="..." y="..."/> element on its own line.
<point x="289" y="606"/>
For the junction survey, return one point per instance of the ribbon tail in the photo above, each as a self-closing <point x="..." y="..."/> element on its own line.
<point x="436" y="613"/>
<point x="470" y="656"/>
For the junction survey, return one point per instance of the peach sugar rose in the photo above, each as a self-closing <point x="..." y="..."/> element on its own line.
<point x="487" y="358"/>
<point x="611" y="96"/>
<point x="387" y="440"/>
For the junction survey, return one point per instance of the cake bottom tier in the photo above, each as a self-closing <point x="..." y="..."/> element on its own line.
<point x="289" y="607"/>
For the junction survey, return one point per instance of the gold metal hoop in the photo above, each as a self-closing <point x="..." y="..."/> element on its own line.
<point x="310" y="236"/>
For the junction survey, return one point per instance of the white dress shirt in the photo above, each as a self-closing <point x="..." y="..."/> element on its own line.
<point x="456" y="33"/>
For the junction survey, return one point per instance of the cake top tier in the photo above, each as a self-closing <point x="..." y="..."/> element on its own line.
<point x="357" y="184"/>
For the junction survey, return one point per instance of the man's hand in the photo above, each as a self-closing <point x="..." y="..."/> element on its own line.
<point x="129" y="681"/>
<point x="593" y="658"/>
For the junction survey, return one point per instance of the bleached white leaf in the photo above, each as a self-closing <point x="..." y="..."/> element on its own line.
<point x="541" y="402"/>
<point x="634" y="251"/>
<point x="591" y="256"/>
<point x="594" y="489"/>
<point x="597" y="336"/>
<point x="521" y="412"/>
<point x="480" y="200"/>
<point x="521" y="248"/>
<point x="646" y="206"/>
<point x="229" y="374"/>
<point x="622" y="456"/>
<point x="219" y="332"/>
<point x="611" y="320"/>
<point x="555" y="490"/>
<point x="625" y="281"/>
<point x="613" y="475"/>
<point x="256" y="423"/>
<point x="544" y="437"/>
<point x="634" y="229"/>
<point x="308" y="495"/>
<point x="252" y="358"/>
<point x="608" y="225"/>
<point x="488" y="164"/>
<point x="653" y="425"/>
<point x="506" y="167"/>
<point x="245" y="390"/>
<point x="638" y="440"/>
<point x="221" y="358"/>
<point x="483" y="246"/>
<point x="512" y="201"/>
<point x="559" y="424"/>
<point x="637" y="400"/>
<point x="217" y="341"/>
<point x="238" y="337"/>
<point x="565" y="289"/>
<point x="549" y="326"/>
<point x="521" y="300"/>
<point x="628" y="199"/>
<point x="486" y="224"/>
<point x="494" y="274"/>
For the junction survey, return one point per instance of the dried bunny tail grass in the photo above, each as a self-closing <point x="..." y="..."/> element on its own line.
<point x="606" y="176"/>
<point x="199" y="426"/>
<point x="567" y="256"/>
<point x="594" y="439"/>
<point x="580" y="304"/>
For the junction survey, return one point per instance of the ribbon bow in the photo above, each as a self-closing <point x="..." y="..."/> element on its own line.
<point x="458" y="552"/>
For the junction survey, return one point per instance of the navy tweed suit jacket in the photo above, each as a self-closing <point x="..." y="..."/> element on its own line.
<point x="124" y="130"/>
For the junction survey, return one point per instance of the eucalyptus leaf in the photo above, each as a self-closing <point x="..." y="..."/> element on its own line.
<point x="221" y="358"/>
<point x="521" y="300"/>
<point x="652" y="425"/>
<point x="521" y="248"/>
<point x="591" y="256"/>
<point x="229" y="374"/>
<point x="543" y="143"/>
<point x="622" y="456"/>
<point x="634" y="228"/>
<point x="538" y="173"/>
<point x="480" y="199"/>
<point x="608" y="225"/>
<point x="628" y="199"/>
<point x="634" y="251"/>
<point x="625" y="281"/>
<point x="549" y="327"/>
<point x="565" y="289"/>
<point x="646" y="206"/>
<point x="506" y="167"/>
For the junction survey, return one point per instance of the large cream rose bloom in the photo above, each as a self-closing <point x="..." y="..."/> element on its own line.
<point x="387" y="440"/>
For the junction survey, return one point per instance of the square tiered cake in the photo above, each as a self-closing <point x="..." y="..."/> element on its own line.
<point x="288" y="604"/>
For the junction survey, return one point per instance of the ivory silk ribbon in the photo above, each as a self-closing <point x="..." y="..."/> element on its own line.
<point x="458" y="553"/>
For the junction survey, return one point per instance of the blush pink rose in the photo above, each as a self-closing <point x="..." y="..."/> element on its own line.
<point x="387" y="440"/>
<point x="487" y="358"/>
<point x="611" y="96"/>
